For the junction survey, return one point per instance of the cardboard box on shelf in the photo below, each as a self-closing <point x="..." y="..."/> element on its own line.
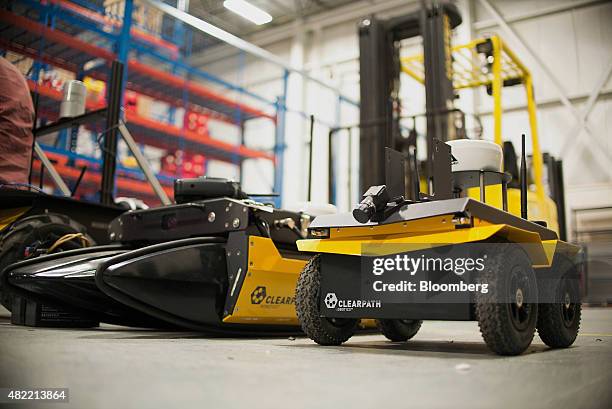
<point x="143" y="16"/>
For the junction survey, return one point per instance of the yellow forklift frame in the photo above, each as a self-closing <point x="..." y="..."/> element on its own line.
<point x="469" y="70"/>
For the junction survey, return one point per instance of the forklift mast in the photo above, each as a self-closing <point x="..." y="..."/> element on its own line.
<point x="380" y="78"/>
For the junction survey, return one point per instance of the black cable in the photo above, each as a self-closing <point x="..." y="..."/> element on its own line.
<point x="28" y="185"/>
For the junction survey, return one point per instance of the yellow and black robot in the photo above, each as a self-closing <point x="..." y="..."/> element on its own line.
<point x="216" y="261"/>
<point x="524" y="275"/>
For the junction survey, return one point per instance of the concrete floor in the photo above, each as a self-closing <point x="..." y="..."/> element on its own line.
<point x="446" y="364"/>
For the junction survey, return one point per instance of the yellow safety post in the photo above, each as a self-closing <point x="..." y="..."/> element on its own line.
<point x="536" y="154"/>
<point x="497" y="89"/>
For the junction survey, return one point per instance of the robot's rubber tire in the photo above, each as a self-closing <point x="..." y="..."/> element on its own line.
<point x="507" y="327"/>
<point x="399" y="330"/>
<point x="324" y="331"/>
<point x="559" y="322"/>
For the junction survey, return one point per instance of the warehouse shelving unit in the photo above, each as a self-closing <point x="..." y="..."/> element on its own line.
<point x="80" y="37"/>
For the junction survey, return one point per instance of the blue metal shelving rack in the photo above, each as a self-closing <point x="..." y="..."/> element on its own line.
<point x="77" y="35"/>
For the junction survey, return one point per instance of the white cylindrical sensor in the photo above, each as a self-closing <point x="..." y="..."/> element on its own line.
<point x="476" y="155"/>
<point x="73" y="101"/>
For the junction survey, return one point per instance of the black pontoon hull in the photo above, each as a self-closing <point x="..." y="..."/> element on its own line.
<point x="62" y="292"/>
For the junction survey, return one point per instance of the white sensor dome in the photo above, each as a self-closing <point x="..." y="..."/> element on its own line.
<point x="476" y="155"/>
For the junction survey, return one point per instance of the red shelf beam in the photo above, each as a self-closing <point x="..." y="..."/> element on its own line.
<point x="171" y="130"/>
<point x="91" y="178"/>
<point x="205" y="140"/>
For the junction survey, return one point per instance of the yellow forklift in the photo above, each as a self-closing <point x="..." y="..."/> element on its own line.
<point x="490" y="63"/>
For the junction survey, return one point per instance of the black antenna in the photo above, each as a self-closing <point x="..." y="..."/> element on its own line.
<point x="350" y="167"/>
<point x="523" y="179"/>
<point x="312" y="121"/>
<point x="35" y="120"/>
<point x="78" y="181"/>
<point x="416" y="184"/>
<point x="109" y="146"/>
<point x="36" y="104"/>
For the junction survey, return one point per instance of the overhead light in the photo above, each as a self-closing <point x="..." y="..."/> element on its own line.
<point x="248" y="11"/>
